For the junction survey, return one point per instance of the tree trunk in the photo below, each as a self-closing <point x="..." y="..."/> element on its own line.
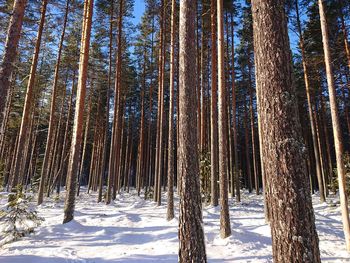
<point x="234" y="122"/>
<point x="170" y="207"/>
<point x="225" y="228"/>
<point x="160" y="116"/>
<point x="338" y="139"/>
<point x="117" y="108"/>
<point x="10" y="53"/>
<point x="52" y="121"/>
<point x="309" y="102"/>
<point x="28" y="103"/>
<point x="191" y="235"/>
<point x="86" y="138"/>
<point x="214" y="110"/>
<point x="79" y="114"/>
<point x="294" y="236"/>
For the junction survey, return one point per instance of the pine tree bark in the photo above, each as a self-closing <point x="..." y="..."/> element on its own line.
<point x="73" y="165"/>
<point x="294" y="236"/>
<point x="28" y="103"/>
<point x="191" y="235"/>
<point x="338" y="139"/>
<point x="171" y="161"/>
<point x="225" y="227"/>
<point x="10" y="54"/>
<point x="214" y="159"/>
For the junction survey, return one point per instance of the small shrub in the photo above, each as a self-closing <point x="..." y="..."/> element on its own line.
<point x="205" y="174"/>
<point x="334" y="185"/>
<point x="17" y="217"/>
<point x="149" y="193"/>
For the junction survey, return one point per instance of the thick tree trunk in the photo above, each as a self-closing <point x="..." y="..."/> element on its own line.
<point x="294" y="236"/>
<point x="191" y="235"/>
<point x="338" y="138"/>
<point x="79" y="114"/>
<point x="28" y="103"/>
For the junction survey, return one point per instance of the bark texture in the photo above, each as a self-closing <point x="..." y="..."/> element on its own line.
<point x="294" y="236"/>
<point x="170" y="207"/>
<point x="191" y="235"/>
<point x="73" y="165"/>
<point x="225" y="228"/>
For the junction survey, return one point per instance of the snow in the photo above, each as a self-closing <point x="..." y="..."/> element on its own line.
<point x="134" y="230"/>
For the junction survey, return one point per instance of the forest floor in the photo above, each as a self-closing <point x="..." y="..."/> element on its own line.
<point x="135" y="230"/>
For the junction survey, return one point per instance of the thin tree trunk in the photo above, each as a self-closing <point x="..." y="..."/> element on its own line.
<point x="214" y="156"/>
<point x="86" y="138"/>
<point x="225" y="227"/>
<point x="114" y="152"/>
<point x="159" y="142"/>
<point x="338" y="139"/>
<point x="52" y="122"/>
<point x="9" y="56"/>
<point x="309" y="102"/>
<point x="28" y="103"/>
<point x="252" y="128"/>
<point x="171" y="161"/>
<point x="234" y="122"/>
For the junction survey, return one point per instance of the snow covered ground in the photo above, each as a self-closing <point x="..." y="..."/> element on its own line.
<point x="134" y="230"/>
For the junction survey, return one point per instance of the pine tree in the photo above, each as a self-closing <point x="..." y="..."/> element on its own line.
<point x="294" y="237"/>
<point x="214" y="109"/>
<point x="28" y="106"/>
<point x="9" y="57"/>
<point x="79" y="113"/>
<point x="52" y="122"/>
<point x="338" y="139"/>
<point x="170" y="210"/>
<point x="191" y="236"/>
<point x="225" y="227"/>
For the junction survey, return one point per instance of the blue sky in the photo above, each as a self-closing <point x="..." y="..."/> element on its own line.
<point x="139" y="9"/>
